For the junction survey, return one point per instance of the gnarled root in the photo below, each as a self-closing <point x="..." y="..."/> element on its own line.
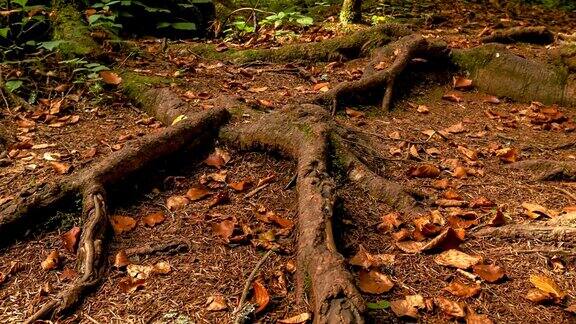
<point x="548" y="170"/>
<point x="560" y="233"/>
<point x="381" y="81"/>
<point x="534" y="35"/>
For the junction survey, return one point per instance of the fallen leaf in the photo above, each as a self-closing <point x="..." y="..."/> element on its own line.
<point x="507" y="155"/>
<point x="548" y="285"/>
<point x="278" y="220"/>
<point x="468" y="153"/>
<point x="176" y="202"/>
<point x="489" y="272"/>
<point x="448" y="239"/>
<point x="220" y="198"/>
<point x="460" y="172"/>
<point x="121" y="224"/>
<point x="492" y="100"/>
<point x="240" y="185"/>
<point x="225" y="228"/>
<point x="455" y="129"/>
<point x="301" y="318"/>
<point x="322" y="87"/>
<point x="450" y="308"/>
<point x="374" y="282"/>
<point x="52" y="261"/>
<point x="60" y="167"/>
<point x="452" y="97"/>
<point x="497" y="219"/>
<point x="153" y="219"/>
<point x="457" y="259"/>
<point x="408" y="307"/>
<point x="162" y="268"/>
<point x="139" y="271"/>
<point x="389" y="221"/>
<point x="354" y="113"/>
<point x="121" y="259"/>
<point x="538" y="296"/>
<point x="197" y="193"/>
<point x="423" y="109"/>
<point x="130" y="285"/>
<point x="70" y="239"/>
<point x="216" y="303"/>
<point x="571" y="308"/>
<point x="462" y="290"/>
<point x="261" y="296"/>
<point x="424" y="171"/>
<point x="441" y="184"/>
<point x="482" y="202"/>
<point x="536" y="211"/>
<point x="214" y="160"/>
<point x="68" y="274"/>
<point x="461" y="83"/>
<point x="110" y="77"/>
<point x="367" y="260"/>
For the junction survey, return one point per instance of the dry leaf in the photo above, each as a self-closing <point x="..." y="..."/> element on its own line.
<point x="121" y="224"/>
<point x="296" y="319"/>
<point x="139" y="271"/>
<point x="410" y="246"/>
<point x="536" y="211"/>
<point x="389" y="221"/>
<point x="538" y="296"/>
<point x="497" y="219"/>
<point x="60" y="167"/>
<point x="261" y="296"/>
<point x="423" y="109"/>
<point x="508" y="155"/>
<point x="220" y="198"/>
<point x="424" y="171"/>
<point x="70" y="239"/>
<point x="322" y="87"/>
<point x="452" y="97"/>
<point x="374" y="282"/>
<point x="571" y="308"/>
<point x="473" y="318"/>
<point x="367" y="260"/>
<point x="214" y="160"/>
<point x="68" y="274"/>
<point x="240" y="185"/>
<point x="468" y="153"/>
<point x="280" y="221"/>
<point x="441" y="184"/>
<point x="489" y="272"/>
<point x="448" y="239"/>
<point x="457" y="259"/>
<point x="548" y="285"/>
<point x="462" y="290"/>
<point x="449" y="307"/>
<point x="492" y="100"/>
<point x="162" y="268"/>
<point x="197" y="193"/>
<point x="460" y="172"/>
<point x="482" y="202"/>
<point x="130" y="285"/>
<point x="176" y="202"/>
<point x="354" y="113"/>
<point x="455" y="129"/>
<point x="154" y="219"/>
<point x="110" y="77"/>
<point x="121" y="259"/>
<point x="216" y="303"/>
<point x="52" y="261"/>
<point x="461" y="83"/>
<point x="225" y="228"/>
<point x="408" y="307"/>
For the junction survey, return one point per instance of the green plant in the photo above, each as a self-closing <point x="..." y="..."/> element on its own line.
<point x="287" y="18"/>
<point x="25" y="25"/>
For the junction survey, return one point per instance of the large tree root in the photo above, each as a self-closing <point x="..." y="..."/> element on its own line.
<point x="548" y="170"/>
<point x="565" y="234"/>
<point x="376" y="80"/>
<point x="534" y="35"/>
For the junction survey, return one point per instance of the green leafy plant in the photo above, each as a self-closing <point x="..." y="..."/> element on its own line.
<point x="287" y="18"/>
<point x="21" y="26"/>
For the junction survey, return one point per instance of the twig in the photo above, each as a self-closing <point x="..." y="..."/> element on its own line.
<point x="292" y="181"/>
<point x="248" y="283"/>
<point x="256" y="190"/>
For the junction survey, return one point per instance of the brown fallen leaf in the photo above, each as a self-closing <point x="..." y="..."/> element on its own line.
<point x="460" y="172"/>
<point x="571" y="308"/>
<point x="470" y="154"/>
<point x="130" y="285"/>
<point x="536" y="211"/>
<point x="240" y="185"/>
<point x="354" y="113"/>
<point x="389" y="221"/>
<point x="278" y="220"/>
<point x="121" y="259"/>
<point x="51" y="262"/>
<point x="450" y="203"/>
<point x="225" y="228"/>
<point x="462" y="83"/>
<point x="473" y="318"/>
<point x="70" y="239"/>
<point x="322" y="87"/>
<point x="482" y="202"/>
<point x="508" y="155"/>
<point x="408" y="307"/>
<point x="538" y="296"/>
<point x="219" y="199"/>
<point x="214" y="160"/>
<point x="463" y="291"/>
<point x="60" y="167"/>
<point x="176" y="202"/>
<point x="153" y="219"/>
<point x="261" y="296"/>
<point x="216" y="303"/>
<point x="374" y="282"/>
<point x="449" y="239"/>
<point x="121" y="224"/>
<point x="301" y="318"/>
<point x="441" y="184"/>
<point x="547" y="285"/>
<point x="455" y="129"/>
<point x="452" y="97"/>
<point x="423" y="109"/>
<point x="457" y="259"/>
<point x="110" y="78"/>
<point x="162" y="268"/>
<point x="68" y="275"/>
<point x="197" y="193"/>
<point x="367" y="260"/>
<point x="410" y="246"/>
<point x="492" y="100"/>
<point x="489" y="272"/>
<point x="497" y="219"/>
<point x="424" y="171"/>
<point x="139" y="271"/>
<point x="450" y="308"/>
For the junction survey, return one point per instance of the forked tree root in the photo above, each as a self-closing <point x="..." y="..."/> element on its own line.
<point x="378" y="81"/>
<point x="548" y="170"/>
<point x="534" y="35"/>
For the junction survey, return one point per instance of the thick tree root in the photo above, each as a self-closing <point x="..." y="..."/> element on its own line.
<point x="565" y="234"/>
<point x="70" y="29"/>
<point x="534" y="35"/>
<point x="376" y="80"/>
<point x="548" y="170"/>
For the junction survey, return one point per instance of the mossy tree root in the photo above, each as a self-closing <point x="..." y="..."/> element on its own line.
<point x="548" y="170"/>
<point x="70" y="29"/>
<point x="379" y="82"/>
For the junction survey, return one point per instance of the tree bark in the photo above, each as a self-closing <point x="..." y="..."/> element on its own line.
<point x="351" y="12"/>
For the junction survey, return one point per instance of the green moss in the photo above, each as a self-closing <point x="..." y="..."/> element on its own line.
<point x="70" y="29"/>
<point x="136" y="85"/>
<point x="473" y="59"/>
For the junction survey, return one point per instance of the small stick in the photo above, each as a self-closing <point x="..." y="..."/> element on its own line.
<point x="249" y="281"/>
<point x="256" y="190"/>
<point x="292" y="181"/>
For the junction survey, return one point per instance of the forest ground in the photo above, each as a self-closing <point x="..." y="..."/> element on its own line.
<point x="209" y="267"/>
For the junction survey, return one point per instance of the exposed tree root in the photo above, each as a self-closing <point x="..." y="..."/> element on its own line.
<point x="534" y="35"/>
<point x="566" y="234"/>
<point x="70" y="29"/>
<point x="379" y="81"/>
<point x="548" y="170"/>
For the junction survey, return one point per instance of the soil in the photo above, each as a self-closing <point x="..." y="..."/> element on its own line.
<point x="212" y="267"/>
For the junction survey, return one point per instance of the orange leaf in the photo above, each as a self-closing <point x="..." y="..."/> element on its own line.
<point x="424" y="171"/>
<point x="240" y="185"/>
<point x="489" y="272"/>
<point x="153" y="219"/>
<point x="408" y="307"/>
<point x="374" y="282"/>
<point x="197" y="193"/>
<point x="121" y="224"/>
<point x="261" y="296"/>
<point x="462" y="290"/>
<point x="70" y="239"/>
<point x="130" y="285"/>
<point x="110" y="77"/>
<point x="52" y="261"/>
<point x="225" y="228"/>
<point x="457" y="259"/>
<point x="121" y="259"/>
<point x="60" y="167"/>
<point x="367" y="260"/>
<point x="301" y="318"/>
<point x="461" y="83"/>
<point x="449" y="307"/>
<point x="547" y="285"/>
<point x="176" y="202"/>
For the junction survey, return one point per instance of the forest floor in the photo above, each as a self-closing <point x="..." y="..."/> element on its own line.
<point x="208" y="271"/>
